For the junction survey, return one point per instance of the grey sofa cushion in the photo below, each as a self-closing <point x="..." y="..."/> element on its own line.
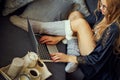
<point x="53" y="10"/>
<point x="48" y="10"/>
<point x="12" y="5"/>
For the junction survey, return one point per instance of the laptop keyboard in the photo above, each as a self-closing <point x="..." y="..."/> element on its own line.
<point x="43" y="51"/>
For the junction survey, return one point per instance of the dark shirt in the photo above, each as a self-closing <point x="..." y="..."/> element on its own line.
<point x="98" y="65"/>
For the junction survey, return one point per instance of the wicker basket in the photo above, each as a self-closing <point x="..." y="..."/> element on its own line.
<point x="3" y="71"/>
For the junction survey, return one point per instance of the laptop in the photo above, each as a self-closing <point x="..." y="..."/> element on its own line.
<point x="42" y="50"/>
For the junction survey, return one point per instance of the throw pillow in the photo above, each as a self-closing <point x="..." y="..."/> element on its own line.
<point x="53" y="10"/>
<point x="48" y="10"/>
<point x="12" y="5"/>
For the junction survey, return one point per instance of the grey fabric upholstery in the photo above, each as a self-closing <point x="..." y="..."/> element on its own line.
<point x="15" y="42"/>
<point x="12" y="5"/>
<point x="53" y="10"/>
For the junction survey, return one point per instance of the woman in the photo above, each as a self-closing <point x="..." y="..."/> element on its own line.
<point x="97" y="45"/>
<point x="107" y="38"/>
<point x="105" y="43"/>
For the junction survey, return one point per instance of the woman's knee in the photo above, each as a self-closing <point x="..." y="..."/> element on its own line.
<point x="75" y="15"/>
<point x="78" y="24"/>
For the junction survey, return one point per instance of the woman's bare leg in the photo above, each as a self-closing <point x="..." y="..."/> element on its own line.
<point x="85" y="36"/>
<point x="81" y="28"/>
<point x="72" y="46"/>
<point x="74" y="16"/>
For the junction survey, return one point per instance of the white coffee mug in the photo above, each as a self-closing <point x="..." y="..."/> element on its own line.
<point x="33" y="73"/>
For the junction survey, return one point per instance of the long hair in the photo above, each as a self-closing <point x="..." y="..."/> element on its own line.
<point x="112" y="16"/>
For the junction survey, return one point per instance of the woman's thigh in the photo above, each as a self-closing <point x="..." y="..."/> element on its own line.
<point x="85" y="36"/>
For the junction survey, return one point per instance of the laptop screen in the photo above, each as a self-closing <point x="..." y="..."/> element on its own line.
<point x="32" y="37"/>
<point x="42" y="50"/>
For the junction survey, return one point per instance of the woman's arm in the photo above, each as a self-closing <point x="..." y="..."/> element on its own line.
<point x="61" y="57"/>
<point x="50" y="39"/>
<point x="102" y="50"/>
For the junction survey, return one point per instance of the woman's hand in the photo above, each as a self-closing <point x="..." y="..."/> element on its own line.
<point x="61" y="57"/>
<point x="50" y="39"/>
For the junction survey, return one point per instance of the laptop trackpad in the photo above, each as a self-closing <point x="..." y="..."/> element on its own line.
<point x="52" y="48"/>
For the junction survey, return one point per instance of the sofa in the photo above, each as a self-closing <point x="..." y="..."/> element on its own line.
<point x="14" y="42"/>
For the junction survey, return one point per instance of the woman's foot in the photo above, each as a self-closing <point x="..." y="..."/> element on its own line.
<point x="72" y="49"/>
<point x="22" y="23"/>
<point x="19" y="22"/>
